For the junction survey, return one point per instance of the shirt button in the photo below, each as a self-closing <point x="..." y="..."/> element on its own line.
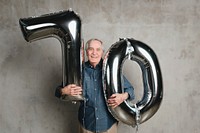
<point x="97" y="118"/>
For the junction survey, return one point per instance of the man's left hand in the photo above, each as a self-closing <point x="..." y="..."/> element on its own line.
<point x="117" y="99"/>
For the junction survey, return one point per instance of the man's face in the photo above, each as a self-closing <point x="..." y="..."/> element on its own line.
<point x="94" y="52"/>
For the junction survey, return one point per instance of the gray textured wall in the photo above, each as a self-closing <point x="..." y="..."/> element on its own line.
<point x="29" y="72"/>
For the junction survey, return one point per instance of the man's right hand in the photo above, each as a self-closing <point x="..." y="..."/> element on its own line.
<point x="71" y="90"/>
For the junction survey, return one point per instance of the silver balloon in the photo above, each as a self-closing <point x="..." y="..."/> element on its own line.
<point x="66" y="27"/>
<point x="152" y="80"/>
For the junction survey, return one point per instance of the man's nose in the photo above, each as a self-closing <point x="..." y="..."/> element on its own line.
<point x="94" y="51"/>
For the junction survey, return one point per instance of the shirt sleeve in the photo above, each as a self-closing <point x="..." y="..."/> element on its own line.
<point x="57" y="91"/>
<point x="128" y="88"/>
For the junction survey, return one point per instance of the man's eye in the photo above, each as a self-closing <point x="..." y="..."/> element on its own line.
<point x="98" y="49"/>
<point x="90" y="48"/>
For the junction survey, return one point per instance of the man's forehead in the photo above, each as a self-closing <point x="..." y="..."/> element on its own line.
<point x="96" y="44"/>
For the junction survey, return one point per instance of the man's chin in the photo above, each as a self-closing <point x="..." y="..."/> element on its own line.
<point x="94" y="62"/>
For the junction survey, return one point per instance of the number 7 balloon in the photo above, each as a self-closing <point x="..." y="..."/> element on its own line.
<point x="66" y="27"/>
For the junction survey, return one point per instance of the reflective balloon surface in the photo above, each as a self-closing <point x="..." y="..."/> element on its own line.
<point x="152" y="80"/>
<point x="66" y="27"/>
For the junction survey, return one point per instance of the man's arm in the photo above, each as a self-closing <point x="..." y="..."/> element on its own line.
<point x="116" y="99"/>
<point x="129" y="89"/>
<point x="70" y="89"/>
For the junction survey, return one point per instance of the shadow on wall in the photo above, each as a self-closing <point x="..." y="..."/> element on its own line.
<point x="30" y="73"/>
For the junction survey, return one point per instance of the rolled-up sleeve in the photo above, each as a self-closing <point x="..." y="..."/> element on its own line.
<point x="128" y="88"/>
<point x="57" y="91"/>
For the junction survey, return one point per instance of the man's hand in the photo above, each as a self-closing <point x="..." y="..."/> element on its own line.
<point x="117" y="99"/>
<point x="71" y="90"/>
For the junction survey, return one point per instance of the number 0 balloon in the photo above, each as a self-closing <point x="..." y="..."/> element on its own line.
<point x="66" y="27"/>
<point x="152" y="80"/>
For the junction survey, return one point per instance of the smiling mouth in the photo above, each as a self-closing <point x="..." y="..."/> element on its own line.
<point x="94" y="57"/>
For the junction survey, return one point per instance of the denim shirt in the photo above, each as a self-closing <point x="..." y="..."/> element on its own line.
<point x="93" y="113"/>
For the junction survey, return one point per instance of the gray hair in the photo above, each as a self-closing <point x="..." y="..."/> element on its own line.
<point x="93" y="39"/>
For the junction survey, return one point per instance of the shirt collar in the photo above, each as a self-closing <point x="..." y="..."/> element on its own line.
<point x="99" y="65"/>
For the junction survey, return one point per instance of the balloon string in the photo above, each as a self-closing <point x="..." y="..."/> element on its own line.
<point x="136" y="130"/>
<point x="137" y="117"/>
<point x="84" y="106"/>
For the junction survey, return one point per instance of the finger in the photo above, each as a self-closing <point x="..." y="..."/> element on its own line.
<point x="111" y="101"/>
<point x="75" y="94"/>
<point x="72" y="86"/>
<point x="114" y="106"/>
<point x="78" y="89"/>
<point x="111" y="104"/>
<point x="113" y="96"/>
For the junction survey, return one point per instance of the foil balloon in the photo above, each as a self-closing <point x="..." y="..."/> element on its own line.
<point x="152" y="80"/>
<point x="66" y="27"/>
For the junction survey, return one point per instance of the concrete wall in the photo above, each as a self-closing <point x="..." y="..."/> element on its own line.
<point x="29" y="72"/>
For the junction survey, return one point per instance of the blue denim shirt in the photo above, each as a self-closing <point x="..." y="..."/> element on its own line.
<point x="93" y="113"/>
